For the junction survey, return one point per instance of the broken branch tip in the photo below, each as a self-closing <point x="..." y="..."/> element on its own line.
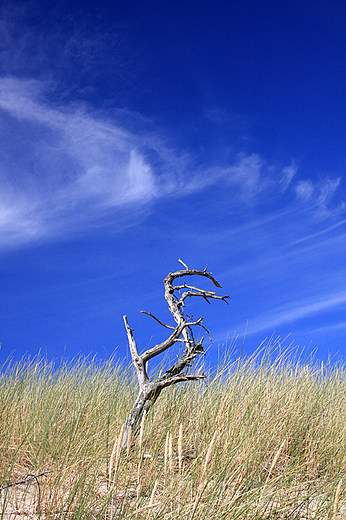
<point x="183" y="263"/>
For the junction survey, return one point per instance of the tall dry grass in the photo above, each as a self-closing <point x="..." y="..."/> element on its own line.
<point x="264" y="439"/>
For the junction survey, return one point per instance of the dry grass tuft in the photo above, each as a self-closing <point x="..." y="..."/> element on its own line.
<point x="265" y="439"/>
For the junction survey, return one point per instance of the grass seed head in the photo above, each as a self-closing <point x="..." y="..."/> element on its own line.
<point x="180" y="447"/>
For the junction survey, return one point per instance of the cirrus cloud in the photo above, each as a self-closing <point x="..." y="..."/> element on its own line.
<point x="63" y="166"/>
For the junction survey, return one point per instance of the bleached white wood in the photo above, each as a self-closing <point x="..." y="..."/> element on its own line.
<point x="149" y="390"/>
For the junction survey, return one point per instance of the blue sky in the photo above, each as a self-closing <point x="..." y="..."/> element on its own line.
<point x="135" y="133"/>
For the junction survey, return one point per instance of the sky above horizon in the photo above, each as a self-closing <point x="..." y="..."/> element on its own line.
<point x="133" y="134"/>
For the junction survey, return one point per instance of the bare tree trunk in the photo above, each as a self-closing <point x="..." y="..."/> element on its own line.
<point x="149" y="390"/>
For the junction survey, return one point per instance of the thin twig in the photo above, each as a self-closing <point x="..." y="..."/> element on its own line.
<point x="157" y="319"/>
<point x="25" y="480"/>
<point x="183" y="264"/>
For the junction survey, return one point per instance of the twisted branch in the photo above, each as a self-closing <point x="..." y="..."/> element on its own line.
<point x="182" y="332"/>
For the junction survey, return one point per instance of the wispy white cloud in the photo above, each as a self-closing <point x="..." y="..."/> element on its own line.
<point x="305" y="190"/>
<point x="246" y="174"/>
<point x="325" y="231"/>
<point x="69" y="52"/>
<point x="77" y="164"/>
<point x="287" y="175"/>
<point x="327" y="190"/>
<point x="319" y="195"/>
<point x="329" y="328"/>
<point x="246" y="177"/>
<point x="296" y="310"/>
<point x="62" y="166"/>
<point x="73" y="162"/>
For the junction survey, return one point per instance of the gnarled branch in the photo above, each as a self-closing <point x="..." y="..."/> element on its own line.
<point x="149" y="390"/>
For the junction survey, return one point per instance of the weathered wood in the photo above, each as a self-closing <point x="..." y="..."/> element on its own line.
<point x="149" y="390"/>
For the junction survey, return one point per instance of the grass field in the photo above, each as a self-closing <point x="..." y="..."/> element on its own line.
<point x="265" y="438"/>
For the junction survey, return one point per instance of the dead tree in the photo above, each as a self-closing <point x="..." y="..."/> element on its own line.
<point x="183" y="332"/>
